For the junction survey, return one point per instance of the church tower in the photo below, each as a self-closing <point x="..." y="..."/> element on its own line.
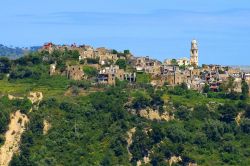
<point x="194" y="53"/>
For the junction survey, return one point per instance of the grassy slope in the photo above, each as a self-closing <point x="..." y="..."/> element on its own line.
<point x="94" y="149"/>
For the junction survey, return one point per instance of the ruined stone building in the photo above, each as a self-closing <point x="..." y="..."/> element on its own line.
<point x="183" y="61"/>
<point x="173" y="75"/>
<point x="108" y="75"/>
<point x="147" y="65"/>
<point x="87" y="52"/>
<point x="131" y="77"/>
<point x="75" y="72"/>
<point x="108" y="57"/>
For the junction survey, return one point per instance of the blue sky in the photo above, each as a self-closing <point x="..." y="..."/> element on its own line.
<point x="160" y="28"/>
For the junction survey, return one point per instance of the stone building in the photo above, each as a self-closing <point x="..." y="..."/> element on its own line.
<point x="108" y="57"/>
<point x="87" y="52"/>
<point x="75" y="72"/>
<point x="48" y="47"/>
<point x="147" y="65"/>
<point x="173" y="75"/>
<point x="194" y="54"/>
<point x="183" y="61"/>
<point x="108" y="75"/>
<point x="131" y="77"/>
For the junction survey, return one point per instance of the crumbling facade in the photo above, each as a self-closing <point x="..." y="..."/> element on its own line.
<point x="75" y="72"/>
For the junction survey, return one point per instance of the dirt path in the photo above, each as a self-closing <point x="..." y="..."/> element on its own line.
<point x="13" y="137"/>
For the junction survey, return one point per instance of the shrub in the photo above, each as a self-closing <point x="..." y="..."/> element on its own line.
<point x="141" y="100"/>
<point x="90" y="71"/>
<point x="245" y="125"/>
<point x="92" y="61"/>
<point x="1" y="76"/>
<point x="121" y="63"/>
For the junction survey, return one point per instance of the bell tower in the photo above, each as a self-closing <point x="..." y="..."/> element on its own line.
<point x="194" y="61"/>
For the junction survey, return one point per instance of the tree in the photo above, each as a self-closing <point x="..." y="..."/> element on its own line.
<point x="75" y="54"/>
<point x="126" y="52"/>
<point x="230" y="84"/>
<point x="5" y="65"/>
<point x="90" y="71"/>
<point x="228" y="112"/>
<point x="206" y="88"/>
<point x="114" y="52"/>
<point x="201" y="112"/>
<point x="174" y="62"/>
<point x="143" y="78"/>
<point x="184" y="86"/>
<point x="140" y="146"/>
<point x="141" y="100"/>
<point x="214" y="130"/>
<point x="75" y="90"/>
<point x="245" y="125"/>
<point x="245" y="90"/>
<point x="121" y="63"/>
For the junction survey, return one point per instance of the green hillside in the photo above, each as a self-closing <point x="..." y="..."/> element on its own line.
<point x="90" y="123"/>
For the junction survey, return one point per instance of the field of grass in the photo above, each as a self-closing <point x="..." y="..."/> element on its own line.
<point x="50" y="86"/>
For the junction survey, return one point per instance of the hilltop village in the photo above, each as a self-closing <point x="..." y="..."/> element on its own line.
<point x="111" y="65"/>
<point x="81" y="105"/>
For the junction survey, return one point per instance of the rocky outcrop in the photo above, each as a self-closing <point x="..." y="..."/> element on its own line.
<point x="238" y="118"/>
<point x="46" y="127"/>
<point x="11" y="97"/>
<point x="174" y="160"/>
<point x="35" y="97"/>
<point x="13" y="137"/>
<point x="130" y="134"/>
<point x="155" y="115"/>
<point x="146" y="160"/>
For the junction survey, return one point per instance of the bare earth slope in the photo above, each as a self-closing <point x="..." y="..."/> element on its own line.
<point x="13" y="137"/>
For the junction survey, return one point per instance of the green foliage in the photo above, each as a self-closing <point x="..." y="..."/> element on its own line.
<point x="245" y="126"/>
<point x="92" y="129"/>
<point x="114" y="52"/>
<point x="245" y="90"/>
<point x="92" y="61"/>
<point x="24" y="72"/>
<point x="5" y="65"/>
<point x="206" y="88"/>
<point x="121" y="63"/>
<point x="140" y="146"/>
<point x="228" y="112"/>
<point x="141" y="100"/>
<point x="143" y="78"/>
<point x="174" y="62"/>
<point x="90" y="71"/>
<point x="214" y="130"/>
<point x="30" y="59"/>
<point x="126" y="52"/>
<point x="1" y="76"/>
<point x="201" y="112"/>
<point x="24" y="105"/>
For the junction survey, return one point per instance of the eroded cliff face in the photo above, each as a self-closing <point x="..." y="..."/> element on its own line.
<point x="16" y="127"/>
<point x="130" y="134"/>
<point x="155" y="115"/>
<point x="46" y="126"/>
